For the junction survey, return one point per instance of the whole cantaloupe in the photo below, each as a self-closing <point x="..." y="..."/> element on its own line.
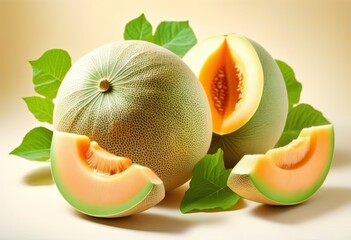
<point x="140" y="101"/>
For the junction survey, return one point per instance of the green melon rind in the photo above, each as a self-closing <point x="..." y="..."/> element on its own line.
<point x="91" y="210"/>
<point x="259" y="134"/>
<point x="293" y="198"/>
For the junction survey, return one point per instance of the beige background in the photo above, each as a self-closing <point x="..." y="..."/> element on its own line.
<point x="314" y="37"/>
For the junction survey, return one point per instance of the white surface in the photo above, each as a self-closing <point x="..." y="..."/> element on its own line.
<point x="312" y="36"/>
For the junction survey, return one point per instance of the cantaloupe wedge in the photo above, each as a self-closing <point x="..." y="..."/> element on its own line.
<point x="98" y="183"/>
<point x="286" y="175"/>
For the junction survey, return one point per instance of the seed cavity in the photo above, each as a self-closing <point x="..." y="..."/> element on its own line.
<point x="105" y="163"/>
<point x="219" y="91"/>
<point x="293" y="155"/>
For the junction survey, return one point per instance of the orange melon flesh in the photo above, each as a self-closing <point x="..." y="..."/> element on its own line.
<point x="286" y="175"/>
<point x="234" y="92"/>
<point x="135" y="188"/>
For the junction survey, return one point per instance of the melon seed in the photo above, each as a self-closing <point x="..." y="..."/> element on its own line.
<point x="218" y="91"/>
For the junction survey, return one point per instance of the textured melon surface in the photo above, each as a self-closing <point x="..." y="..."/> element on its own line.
<point x="246" y="91"/>
<point x="286" y="175"/>
<point x="133" y="190"/>
<point x="140" y="101"/>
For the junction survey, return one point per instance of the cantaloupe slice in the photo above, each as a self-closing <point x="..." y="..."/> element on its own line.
<point x="98" y="183"/>
<point x="286" y="175"/>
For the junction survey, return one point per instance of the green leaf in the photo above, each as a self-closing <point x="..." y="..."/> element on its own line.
<point x="293" y="86"/>
<point x="138" y="29"/>
<point x="42" y="108"/>
<point x="299" y="117"/>
<point x="49" y="71"/>
<point x="35" y="145"/>
<point x="177" y="37"/>
<point x="208" y="186"/>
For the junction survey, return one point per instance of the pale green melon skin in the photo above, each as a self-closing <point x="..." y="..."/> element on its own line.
<point x="157" y="113"/>
<point x="263" y="130"/>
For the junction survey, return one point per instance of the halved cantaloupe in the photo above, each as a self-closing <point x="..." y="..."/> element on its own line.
<point x="98" y="183"/>
<point x="246" y="92"/>
<point x="286" y="175"/>
<point x="230" y="72"/>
